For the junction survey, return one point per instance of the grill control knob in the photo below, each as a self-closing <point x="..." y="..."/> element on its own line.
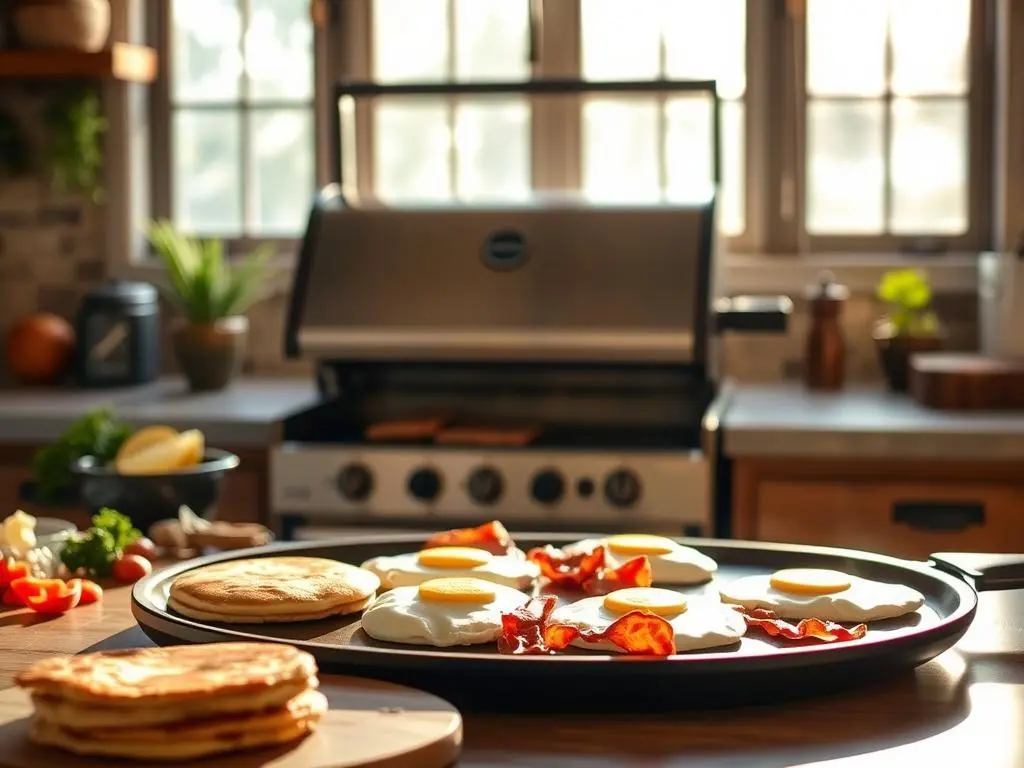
<point x="485" y="485"/>
<point x="622" y="488"/>
<point x="547" y="487"/>
<point x="424" y="484"/>
<point x="354" y="482"/>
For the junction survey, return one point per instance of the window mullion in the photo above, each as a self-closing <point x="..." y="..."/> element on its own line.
<point x="785" y="144"/>
<point x="556" y="125"/>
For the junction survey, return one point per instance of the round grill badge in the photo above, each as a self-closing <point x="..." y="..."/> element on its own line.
<point x="504" y="250"/>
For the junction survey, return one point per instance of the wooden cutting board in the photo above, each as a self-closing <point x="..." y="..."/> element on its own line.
<point x="369" y="725"/>
<point x="967" y="382"/>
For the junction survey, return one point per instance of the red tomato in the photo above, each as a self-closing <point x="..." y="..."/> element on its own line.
<point x="131" y="568"/>
<point x="91" y="591"/>
<point x="142" y="547"/>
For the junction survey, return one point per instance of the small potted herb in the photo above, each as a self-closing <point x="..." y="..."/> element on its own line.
<point x="909" y="327"/>
<point x="213" y="296"/>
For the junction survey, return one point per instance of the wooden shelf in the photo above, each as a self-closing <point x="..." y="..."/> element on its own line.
<point x="131" y="63"/>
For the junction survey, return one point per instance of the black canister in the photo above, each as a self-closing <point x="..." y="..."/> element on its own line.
<point x="118" y="332"/>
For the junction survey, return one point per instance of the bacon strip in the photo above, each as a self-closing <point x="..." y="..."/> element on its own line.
<point x="588" y="571"/>
<point x="492" y="537"/>
<point x="529" y="630"/>
<point x="808" y="629"/>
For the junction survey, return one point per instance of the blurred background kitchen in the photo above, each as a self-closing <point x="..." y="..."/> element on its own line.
<point x="872" y="172"/>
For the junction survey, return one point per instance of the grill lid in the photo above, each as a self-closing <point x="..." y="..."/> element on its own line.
<point x="546" y="281"/>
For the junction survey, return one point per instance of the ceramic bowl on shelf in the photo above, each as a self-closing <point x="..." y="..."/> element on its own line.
<point x="149" y="498"/>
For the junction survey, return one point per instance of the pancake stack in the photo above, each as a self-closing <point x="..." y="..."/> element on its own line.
<point x="272" y="589"/>
<point x="174" y="703"/>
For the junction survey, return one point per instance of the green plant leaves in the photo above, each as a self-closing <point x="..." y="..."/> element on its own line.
<point x="909" y="296"/>
<point x="204" y="285"/>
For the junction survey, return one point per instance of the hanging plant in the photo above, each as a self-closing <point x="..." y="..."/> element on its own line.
<point x="75" y="157"/>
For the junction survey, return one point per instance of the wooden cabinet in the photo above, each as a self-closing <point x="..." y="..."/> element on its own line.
<point x="244" y="497"/>
<point x="906" y="509"/>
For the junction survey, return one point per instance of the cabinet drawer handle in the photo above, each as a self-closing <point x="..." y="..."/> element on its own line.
<point x="939" y="515"/>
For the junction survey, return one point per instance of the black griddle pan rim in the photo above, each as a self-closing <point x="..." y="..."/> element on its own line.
<point x="915" y="647"/>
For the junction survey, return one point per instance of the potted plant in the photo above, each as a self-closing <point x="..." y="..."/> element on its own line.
<point x="213" y="296"/>
<point x="910" y="327"/>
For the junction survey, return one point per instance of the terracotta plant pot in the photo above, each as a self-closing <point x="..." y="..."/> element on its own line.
<point x="211" y="354"/>
<point x="895" y="351"/>
<point x="75" y="25"/>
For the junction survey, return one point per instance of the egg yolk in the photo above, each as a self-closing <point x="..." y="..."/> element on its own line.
<point x="663" y="602"/>
<point x="471" y="591"/>
<point x="810" y="581"/>
<point x="454" y="557"/>
<point x="636" y="544"/>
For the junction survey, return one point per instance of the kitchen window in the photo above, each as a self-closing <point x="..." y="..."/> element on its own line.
<point x="233" y="143"/>
<point x="844" y="127"/>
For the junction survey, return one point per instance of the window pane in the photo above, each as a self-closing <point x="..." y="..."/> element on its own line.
<point x="207" y="53"/>
<point x="208" y="171"/>
<point x="493" y="150"/>
<point x="929" y="167"/>
<point x="689" y="152"/>
<point x="279" y="50"/>
<point x="707" y="41"/>
<point x="846" y="47"/>
<point x="410" y="40"/>
<point x="620" y="44"/>
<point x="936" y="61"/>
<point x="411" y="150"/>
<point x="492" y="39"/>
<point x="282" y="186"/>
<point x="620" y="150"/>
<point x="845" y="167"/>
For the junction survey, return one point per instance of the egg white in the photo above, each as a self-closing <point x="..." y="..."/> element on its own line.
<point x="406" y="571"/>
<point x="706" y="623"/>
<point x="400" y="616"/>
<point x="865" y="600"/>
<point x="683" y="565"/>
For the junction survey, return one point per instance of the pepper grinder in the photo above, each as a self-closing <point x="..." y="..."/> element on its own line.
<point x="825" y="362"/>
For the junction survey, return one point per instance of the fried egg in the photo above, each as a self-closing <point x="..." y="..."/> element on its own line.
<point x="804" y="593"/>
<point x="671" y="562"/>
<point x="414" y="568"/>
<point x="698" y="622"/>
<point x="442" y="612"/>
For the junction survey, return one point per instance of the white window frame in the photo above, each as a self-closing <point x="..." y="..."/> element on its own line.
<point x="766" y="257"/>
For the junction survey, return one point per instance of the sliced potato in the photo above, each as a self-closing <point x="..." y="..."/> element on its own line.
<point x="145" y="438"/>
<point x="183" y="450"/>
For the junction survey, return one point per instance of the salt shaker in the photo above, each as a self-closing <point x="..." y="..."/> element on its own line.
<point x="825" y="362"/>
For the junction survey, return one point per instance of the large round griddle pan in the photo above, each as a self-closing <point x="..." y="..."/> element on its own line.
<point x="758" y="669"/>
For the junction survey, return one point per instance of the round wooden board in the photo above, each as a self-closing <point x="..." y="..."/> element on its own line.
<point x="370" y="724"/>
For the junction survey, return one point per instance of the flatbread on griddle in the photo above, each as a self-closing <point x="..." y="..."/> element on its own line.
<point x="156" y="676"/>
<point x="272" y="589"/>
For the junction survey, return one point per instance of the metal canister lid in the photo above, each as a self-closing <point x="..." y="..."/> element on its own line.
<point x="827" y="290"/>
<point x="123" y="293"/>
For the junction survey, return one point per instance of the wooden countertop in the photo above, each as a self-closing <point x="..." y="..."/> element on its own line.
<point x="964" y="708"/>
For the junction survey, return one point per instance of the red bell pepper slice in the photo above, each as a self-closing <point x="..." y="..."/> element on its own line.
<point x="11" y="570"/>
<point x="11" y="599"/>
<point x="48" y="596"/>
<point x="91" y="591"/>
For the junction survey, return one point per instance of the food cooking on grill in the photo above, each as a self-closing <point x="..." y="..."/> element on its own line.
<point x="671" y="562"/>
<point x="588" y="571"/>
<point x="414" y="568"/>
<point x="697" y="622"/>
<point x="442" y="612"/>
<point x="174" y="703"/>
<point x="272" y="590"/>
<point x="492" y="536"/>
<point x="815" y="593"/>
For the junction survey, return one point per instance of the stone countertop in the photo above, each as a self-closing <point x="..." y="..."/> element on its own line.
<point x="785" y="420"/>
<point x="242" y="416"/>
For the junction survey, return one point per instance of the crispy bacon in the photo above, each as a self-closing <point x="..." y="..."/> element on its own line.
<point x="808" y="629"/>
<point x="529" y="630"/>
<point x="588" y="572"/>
<point x="491" y="537"/>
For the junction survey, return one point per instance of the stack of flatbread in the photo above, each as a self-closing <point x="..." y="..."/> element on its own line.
<point x="175" y="703"/>
<point x="272" y="589"/>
